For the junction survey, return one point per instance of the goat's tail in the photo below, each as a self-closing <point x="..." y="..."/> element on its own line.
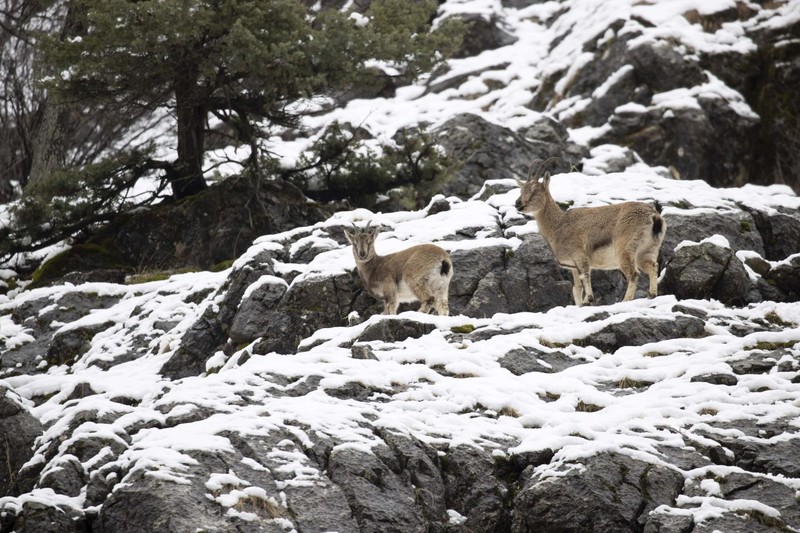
<point x="659" y="227"/>
<point x="445" y="269"/>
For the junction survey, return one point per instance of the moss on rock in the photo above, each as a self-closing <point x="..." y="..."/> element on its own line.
<point x="79" y="258"/>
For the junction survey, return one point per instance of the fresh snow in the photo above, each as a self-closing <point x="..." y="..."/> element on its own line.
<point x="440" y="388"/>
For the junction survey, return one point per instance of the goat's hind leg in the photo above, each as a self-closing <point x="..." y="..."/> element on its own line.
<point x="650" y="267"/>
<point x="424" y="295"/>
<point x="426" y="305"/>
<point x="441" y="305"/>
<point x="631" y="272"/>
<point x="432" y="294"/>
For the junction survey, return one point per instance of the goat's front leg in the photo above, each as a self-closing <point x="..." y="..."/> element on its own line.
<point x="584" y="273"/>
<point x="390" y="302"/>
<point x="577" y="289"/>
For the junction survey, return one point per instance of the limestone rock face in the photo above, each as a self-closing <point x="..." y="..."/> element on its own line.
<point x="214" y="226"/>
<point x="494" y="152"/>
<point x="630" y="81"/>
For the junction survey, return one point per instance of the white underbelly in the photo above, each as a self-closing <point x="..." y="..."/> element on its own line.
<point x="404" y="293"/>
<point x="605" y="259"/>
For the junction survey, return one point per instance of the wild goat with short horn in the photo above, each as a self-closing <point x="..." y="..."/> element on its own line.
<point x="625" y="236"/>
<point x="419" y="273"/>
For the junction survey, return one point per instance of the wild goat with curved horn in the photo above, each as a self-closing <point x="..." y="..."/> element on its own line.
<point x="419" y="273"/>
<point x="625" y="236"/>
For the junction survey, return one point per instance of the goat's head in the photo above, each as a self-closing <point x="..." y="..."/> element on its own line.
<point x="363" y="241"/>
<point x="534" y="192"/>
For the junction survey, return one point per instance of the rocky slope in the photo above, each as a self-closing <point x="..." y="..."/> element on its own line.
<point x="267" y="397"/>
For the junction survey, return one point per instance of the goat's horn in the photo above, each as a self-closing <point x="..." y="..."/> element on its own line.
<point x="542" y="165"/>
<point x="549" y="160"/>
<point x="531" y="171"/>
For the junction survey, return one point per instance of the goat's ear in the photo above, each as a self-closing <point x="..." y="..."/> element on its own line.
<point x="349" y="236"/>
<point x="546" y="180"/>
<point x="519" y="181"/>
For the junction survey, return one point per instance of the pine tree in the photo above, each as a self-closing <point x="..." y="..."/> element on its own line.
<point x="240" y="60"/>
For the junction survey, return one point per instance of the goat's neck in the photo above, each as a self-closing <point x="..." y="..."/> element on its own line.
<point x="549" y="217"/>
<point x="366" y="269"/>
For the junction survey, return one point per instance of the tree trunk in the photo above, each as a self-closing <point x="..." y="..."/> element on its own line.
<point x="52" y="141"/>
<point x="53" y="136"/>
<point x="191" y="114"/>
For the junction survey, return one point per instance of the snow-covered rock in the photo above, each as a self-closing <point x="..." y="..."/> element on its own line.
<point x="270" y="396"/>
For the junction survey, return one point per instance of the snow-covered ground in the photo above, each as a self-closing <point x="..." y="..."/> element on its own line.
<point x="442" y="388"/>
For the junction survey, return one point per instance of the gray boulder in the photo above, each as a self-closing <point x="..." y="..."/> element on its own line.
<point x="495" y="279"/>
<point x="738" y="227"/>
<point x="43" y="317"/>
<point x="37" y="517"/>
<point x="197" y="345"/>
<point x="200" y="503"/>
<point x="19" y="430"/>
<point x="248" y="323"/>
<point x="66" y="346"/>
<point x="527" y="359"/>
<point x="261" y="264"/>
<point x="395" y="330"/>
<point x="760" y="447"/>
<point x="494" y="152"/>
<point x="309" y="305"/>
<point x="638" y="331"/>
<point x="475" y="489"/>
<point x="785" y="277"/>
<point x="611" y="492"/>
<point x="147" y="503"/>
<point x="706" y="271"/>
<point x="483" y="33"/>
<point x="780" y="233"/>
<point x="386" y="494"/>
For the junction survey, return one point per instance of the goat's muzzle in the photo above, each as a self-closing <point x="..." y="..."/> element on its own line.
<point x="520" y="209"/>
